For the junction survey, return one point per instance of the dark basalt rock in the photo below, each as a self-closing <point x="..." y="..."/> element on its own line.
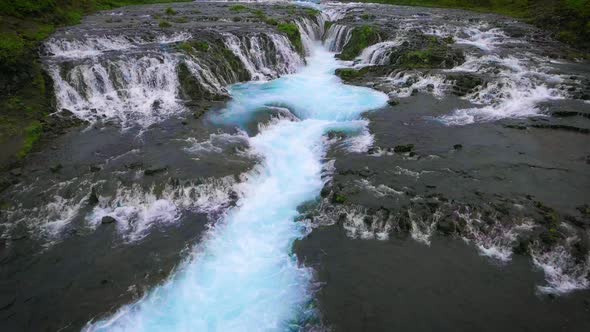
<point x="393" y="101"/>
<point x="56" y="168"/>
<point x="108" y="220"/>
<point x="92" y="198"/>
<point x="155" y="170"/>
<point x="463" y="83"/>
<point x="404" y="148"/>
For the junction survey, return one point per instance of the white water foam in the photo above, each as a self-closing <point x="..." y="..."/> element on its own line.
<point x="378" y="54"/>
<point x="515" y="90"/>
<point x="562" y="272"/>
<point x="253" y="52"/>
<point x="133" y="91"/>
<point x="493" y="240"/>
<point x="137" y="210"/>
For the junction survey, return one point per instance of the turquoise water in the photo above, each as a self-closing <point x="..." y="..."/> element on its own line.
<point x="243" y="276"/>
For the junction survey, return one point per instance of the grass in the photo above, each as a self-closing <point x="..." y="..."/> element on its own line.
<point x="569" y="20"/>
<point x="191" y="47"/>
<point x="238" y="8"/>
<point x="348" y="74"/>
<point x="170" y="11"/>
<point x="164" y="24"/>
<point x="32" y="135"/>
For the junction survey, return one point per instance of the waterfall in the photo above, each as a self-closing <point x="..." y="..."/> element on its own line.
<point x="265" y="56"/>
<point x="134" y="81"/>
<point x="337" y="37"/>
<point x="310" y="31"/>
<point x="378" y="54"/>
<point x="135" y="89"/>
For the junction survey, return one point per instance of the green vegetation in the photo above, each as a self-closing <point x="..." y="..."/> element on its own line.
<point x="170" y="11"/>
<point x="25" y="93"/>
<point x="292" y="32"/>
<point x="192" y="46"/>
<point x="426" y="52"/>
<point x="165" y="24"/>
<point x="238" y="8"/>
<point x="338" y="198"/>
<point x="349" y="74"/>
<point x="568" y="19"/>
<point x="361" y="38"/>
<point x="32" y="135"/>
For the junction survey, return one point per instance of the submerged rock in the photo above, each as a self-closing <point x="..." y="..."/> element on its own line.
<point x="155" y="170"/>
<point x="403" y="148"/>
<point x="108" y="220"/>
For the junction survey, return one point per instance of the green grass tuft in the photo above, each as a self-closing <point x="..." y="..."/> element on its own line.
<point x="238" y="8"/>
<point x="32" y="135"/>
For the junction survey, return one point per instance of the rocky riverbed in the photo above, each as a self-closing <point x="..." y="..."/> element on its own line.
<point x="473" y="178"/>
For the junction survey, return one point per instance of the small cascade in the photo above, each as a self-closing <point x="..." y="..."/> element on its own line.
<point x="517" y="87"/>
<point x="265" y="56"/>
<point x="378" y="54"/>
<point x="337" y="37"/>
<point x="135" y="81"/>
<point x="215" y="85"/>
<point x="310" y="31"/>
<point x="134" y="89"/>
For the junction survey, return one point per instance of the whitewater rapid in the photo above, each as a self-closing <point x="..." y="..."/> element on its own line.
<point x="243" y="276"/>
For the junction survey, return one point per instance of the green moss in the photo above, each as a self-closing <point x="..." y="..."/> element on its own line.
<point x="418" y="59"/>
<point x="12" y="48"/>
<point x="311" y="11"/>
<point x="170" y="11"/>
<point x="348" y="74"/>
<point x="360" y="38"/>
<point x="433" y="52"/>
<point x="271" y="21"/>
<point x="32" y="135"/>
<point x="238" y="8"/>
<point x="164" y="24"/>
<point x="338" y="198"/>
<point x="183" y="19"/>
<point x="259" y="14"/>
<point x="192" y="46"/>
<point x="292" y="32"/>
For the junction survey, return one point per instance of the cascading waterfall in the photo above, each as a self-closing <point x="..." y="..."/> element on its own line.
<point x="135" y="82"/>
<point x="378" y="54"/>
<point x="310" y="31"/>
<point x="243" y="275"/>
<point x="337" y="37"/>
<point x="132" y="90"/>
<point x="265" y="56"/>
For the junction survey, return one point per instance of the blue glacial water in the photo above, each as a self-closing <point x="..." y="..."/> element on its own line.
<point x="243" y="275"/>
